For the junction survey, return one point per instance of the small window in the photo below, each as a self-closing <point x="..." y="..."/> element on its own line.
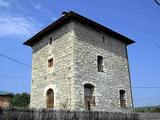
<point x="122" y="98"/>
<point x="103" y="38"/>
<point x="50" y="40"/>
<point x="100" y="63"/>
<point x="50" y="62"/>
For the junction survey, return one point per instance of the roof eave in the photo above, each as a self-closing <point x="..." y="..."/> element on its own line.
<point x="68" y="16"/>
<point x="47" y="29"/>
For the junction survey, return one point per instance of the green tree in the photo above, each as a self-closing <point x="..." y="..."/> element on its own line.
<point x="157" y="110"/>
<point x="20" y="100"/>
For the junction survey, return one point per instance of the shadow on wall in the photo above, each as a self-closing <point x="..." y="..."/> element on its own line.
<point x="91" y="37"/>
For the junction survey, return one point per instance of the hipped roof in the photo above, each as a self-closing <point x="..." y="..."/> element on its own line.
<point x="74" y="16"/>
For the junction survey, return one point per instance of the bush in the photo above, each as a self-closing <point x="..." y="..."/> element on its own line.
<point x="20" y="100"/>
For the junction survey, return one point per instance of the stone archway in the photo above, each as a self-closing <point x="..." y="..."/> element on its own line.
<point x="50" y="98"/>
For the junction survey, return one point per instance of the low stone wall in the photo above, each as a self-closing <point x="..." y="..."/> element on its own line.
<point x="43" y="114"/>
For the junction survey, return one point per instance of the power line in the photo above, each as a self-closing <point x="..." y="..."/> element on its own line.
<point x="9" y="76"/>
<point x="18" y="62"/>
<point x="157" y="1"/>
<point x="150" y="98"/>
<point x="142" y="81"/>
<point x="14" y="60"/>
<point x="14" y="77"/>
<point x="148" y="87"/>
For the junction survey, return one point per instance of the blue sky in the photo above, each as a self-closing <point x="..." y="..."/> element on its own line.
<point x="136" y="19"/>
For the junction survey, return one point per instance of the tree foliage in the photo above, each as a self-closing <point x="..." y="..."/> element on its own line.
<point x="155" y="109"/>
<point x="20" y="100"/>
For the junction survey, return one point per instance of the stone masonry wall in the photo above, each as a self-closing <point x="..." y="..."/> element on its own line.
<point x="88" y="44"/>
<point x="60" y="76"/>
<point x="74" y="51"/>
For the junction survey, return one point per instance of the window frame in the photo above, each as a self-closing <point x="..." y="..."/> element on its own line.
<point x="122" y="98"/>
<point x="89" y="100"/>
<point x="103" y="39"/>
<point x="100" y="63"/>
<point x="50" y="98"/>
<point x="50" y="63"/>
<point x="50" y="40"/>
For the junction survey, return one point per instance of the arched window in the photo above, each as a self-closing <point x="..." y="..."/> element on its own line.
<point x="89" y="97"/>
<point x="122" y="98"/>
<point x="50" y="98"/>
<point x="100" y="63"/>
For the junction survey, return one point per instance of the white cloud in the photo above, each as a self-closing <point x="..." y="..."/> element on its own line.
<point x="42" y="8"/>
<point x="18" y="26"/>
<point x="4" y="3"/>
<point x="37" y="6"/>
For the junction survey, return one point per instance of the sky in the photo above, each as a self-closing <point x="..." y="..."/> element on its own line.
<point x="136" y="19"/>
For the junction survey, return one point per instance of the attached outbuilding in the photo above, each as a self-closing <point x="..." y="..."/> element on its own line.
<point x="5" y="99"/>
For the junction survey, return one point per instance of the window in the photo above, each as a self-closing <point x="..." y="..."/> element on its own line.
<point x="122" y="98"/>
<point x="50" y="40"/>
<point x="103" y="38"/>
<point x="99" y="63"/>
<point x="89" y="98"/>
<point x="50" y="98"/>
<point x="50" y="62"/>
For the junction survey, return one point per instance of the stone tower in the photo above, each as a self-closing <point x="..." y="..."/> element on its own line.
<point x="79" y="64"/>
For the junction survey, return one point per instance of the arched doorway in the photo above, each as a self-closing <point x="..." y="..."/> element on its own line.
<point x="50" y="98"/>
<point x="89" y="97"/>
